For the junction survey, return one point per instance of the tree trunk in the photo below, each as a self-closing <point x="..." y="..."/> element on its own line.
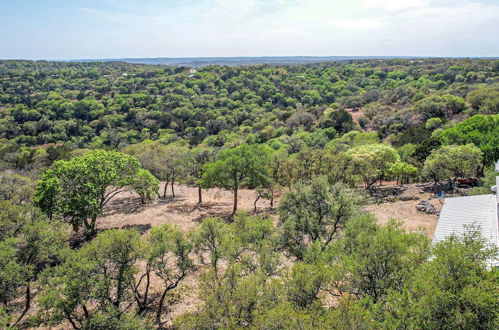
<point x="148" y="283"/>
<point x="234" y="210"/>
<point x="27" y="304"/>
<point x="160" y="306"/>
<point x="200" y="196"/>
<point x="173" y="191"/>
<point x="164" y="190"/>
<point x="254" y="204"/>
<point x="73" y="324"/>
<point x="90" y="227"/>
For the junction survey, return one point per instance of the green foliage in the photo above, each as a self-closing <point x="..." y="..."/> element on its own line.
<point x="485" y="99"/>
<point x="96" y="279"/>
<point x="210" y="239"/>
<point x="433" y="123"/>
<point x="354" y="139"/>
<point x="238" y="166"/>
<point x="402" y="171"/>
<point x="28" y="244"/>
<point x="325" y="265"/>
<point x="236" y="291"/>
<point x="304" y="284"/>
<point x="374" y="260"/>
<point x="482" y="131"/>
<point x="108" y="319"/>
<point x="455" y="289"/>
<point x="340" y="120"/>
<point x="195" y="163"/>
<point x="372" y="162"/>
<point x="452" y="162"/>
<point x="77" y="190"/>
<point x="146" y="185"/>
<point x="16" y="188"/>
<point x="103" y="105"/>
<point x="165" y="161"/>
<point x="313" y="213"/>
<point x="169" y="259"/>
<point x="252" y="244"/>
<point x="488" y="181"/>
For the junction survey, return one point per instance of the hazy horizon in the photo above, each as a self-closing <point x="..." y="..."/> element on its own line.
<point x="113" y="29"/>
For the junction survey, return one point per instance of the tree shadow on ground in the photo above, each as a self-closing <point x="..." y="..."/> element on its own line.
<point x="131" y="205"/>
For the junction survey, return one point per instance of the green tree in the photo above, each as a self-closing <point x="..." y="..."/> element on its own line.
<point x="164" y="161"/>
<point x="146" y="185"/>
<point x="372" y="162"/>
<point x="372" y="260"/>
<point x="485" y="99"/>
<point x="169" y="259"/>
<point x="196" y="160"/>
<point x="210" y="240"/>
<point x="482" y="131"/>
<point x="77" y="190"/>
<point x="452" y="162"/>
<point x="340" y="120"/>
<point x="29" y="242"/>
<point x="402" y="171"/>
<point x="233" y="294"/>
<point x="313" y="213"/>
<point x="242" y="165"/>
<point x="16" y="188"/>
<point x="456" y="289"/>
<point x="304" y="283"/>
<point x="174" y="157"/>
<point x="94" y="282"/>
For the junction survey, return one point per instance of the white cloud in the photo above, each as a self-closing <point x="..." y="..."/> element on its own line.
<point x="393" y="5"/>
<point x="357" y="24"/>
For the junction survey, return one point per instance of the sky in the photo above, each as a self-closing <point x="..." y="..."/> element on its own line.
<point x="102" y="29"/>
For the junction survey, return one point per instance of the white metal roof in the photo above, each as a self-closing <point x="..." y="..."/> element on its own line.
<point x="458" y="212"/>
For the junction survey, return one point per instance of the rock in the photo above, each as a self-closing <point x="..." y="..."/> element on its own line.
<point x="426" y="207"/>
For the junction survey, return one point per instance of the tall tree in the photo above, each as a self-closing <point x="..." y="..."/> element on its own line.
<point x="168" y="257"/>
<point x="452" y="162"/>
<point x="164" y="161"/>
<point x="372" y="161"/>
<point x="78" y="189"/>
<point x="195" y="163"/>
<point x="242" y="165"/>
<point x="482" y="131"/>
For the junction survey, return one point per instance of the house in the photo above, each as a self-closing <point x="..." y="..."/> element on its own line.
<point x="458" y="213"/>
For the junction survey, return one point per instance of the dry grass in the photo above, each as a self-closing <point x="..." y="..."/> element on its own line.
<point x="125" y="209"/>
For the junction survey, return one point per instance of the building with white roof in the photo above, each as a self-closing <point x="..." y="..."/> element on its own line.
<point x="459" y="213"/>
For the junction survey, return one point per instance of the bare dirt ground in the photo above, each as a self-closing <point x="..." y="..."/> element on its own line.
<point x="125" y="210"/>
<point x="405" y="211"/>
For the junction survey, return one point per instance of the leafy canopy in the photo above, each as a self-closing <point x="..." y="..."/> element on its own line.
<point x="77" y="190"/>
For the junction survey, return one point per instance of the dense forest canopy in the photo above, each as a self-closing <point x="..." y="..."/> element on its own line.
<point x="115" y="104"/>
